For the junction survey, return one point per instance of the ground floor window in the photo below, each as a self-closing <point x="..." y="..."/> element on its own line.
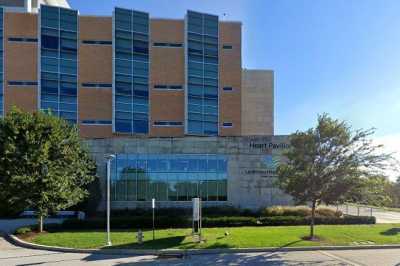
<point x="169" y="177"/>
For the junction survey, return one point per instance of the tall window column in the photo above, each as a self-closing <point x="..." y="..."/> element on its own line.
<point x="59" y="62"/>
<point x="202" y="74"/>
<point x="131" y="72"/>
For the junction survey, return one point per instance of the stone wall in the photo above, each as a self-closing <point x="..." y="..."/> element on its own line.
<point x="257" y="102"/>
<point x="252" y="162"/>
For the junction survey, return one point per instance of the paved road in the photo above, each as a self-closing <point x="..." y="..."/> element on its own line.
<point x="12" y="256"/>
<point x="382" y="216"/>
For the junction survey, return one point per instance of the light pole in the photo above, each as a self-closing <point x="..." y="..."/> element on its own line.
<point x="109" y="158"/>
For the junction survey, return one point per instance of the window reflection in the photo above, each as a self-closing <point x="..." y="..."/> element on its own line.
<point x="169" y="177"/>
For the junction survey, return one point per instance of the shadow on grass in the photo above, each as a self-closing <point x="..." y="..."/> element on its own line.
<point x="219" y="245"/>
<point x="290" y="244"/>
<point x="391" y="232"/>
<point x="167" y="242"/>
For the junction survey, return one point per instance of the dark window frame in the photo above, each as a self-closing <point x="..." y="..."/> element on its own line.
<point x="164" y="87"/>
<point x="227" y="124"/>
<point x="167" y="45"/>
<point x="96" y="122"/>
<point x="227" y="88"/>
<point x="96" y="85"/>
<point x="22" y="83"/>
<point x="97" y="42"/>
<point x="23" y="39"/>
<point x="165" y="123"/>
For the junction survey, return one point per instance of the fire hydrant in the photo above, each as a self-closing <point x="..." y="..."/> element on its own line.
<point x="139" y="237"/>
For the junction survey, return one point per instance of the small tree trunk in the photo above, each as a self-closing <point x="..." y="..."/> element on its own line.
<point x="312" y="219"/>
<point x="40" y="223"/>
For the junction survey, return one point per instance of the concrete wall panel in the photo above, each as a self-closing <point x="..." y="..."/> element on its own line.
<point x="258" y="102"/>
<point x="252" y="163"/>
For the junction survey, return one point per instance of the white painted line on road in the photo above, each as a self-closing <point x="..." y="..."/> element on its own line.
<point x="349" y="262"/>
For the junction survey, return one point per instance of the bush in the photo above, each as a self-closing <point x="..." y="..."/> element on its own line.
<point x="327" y="212"/>
<point x="163" y="222"/>
<point x="23" y="230"/>
<point x="297" y="220"/>
<point x="283" y="220"/>
<point x="301" y="211"/>
<point x="206" y="211"/>
<point x="139" y="222"/>
<point x="287" y="211"/>
<point x="228" y="211"/>
<point x="229" y="221"/>
<point x="349" y="219"/>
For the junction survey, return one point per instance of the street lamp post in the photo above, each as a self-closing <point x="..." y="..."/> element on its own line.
<point x="109" y="157"/>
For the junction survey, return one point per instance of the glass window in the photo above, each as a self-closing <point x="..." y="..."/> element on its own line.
<point x="131" y="69"/>
<point x="169" y="177"/>
<point x="49" y="64"/>
<point x="59" y="62"/>
<point x="123" y="66"/>
<point x="203" y="79"/>
<point x="50" y="39"/>
<point x="123" y="125"/>
<point x="172" y="189"/>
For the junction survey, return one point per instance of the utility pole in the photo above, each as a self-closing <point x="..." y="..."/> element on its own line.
<point x="109" y="159"/>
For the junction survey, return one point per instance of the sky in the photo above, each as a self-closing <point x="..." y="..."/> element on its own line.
<point x="341" y="57"/>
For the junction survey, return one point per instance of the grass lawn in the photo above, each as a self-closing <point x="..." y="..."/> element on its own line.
<point x="239" y="237"/>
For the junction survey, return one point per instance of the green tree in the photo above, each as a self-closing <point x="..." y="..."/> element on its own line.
<point x="374" y="191"/>
<point x="42" y="163"/>
<point x="396" y="193"/>
<point x="327" y="162"/>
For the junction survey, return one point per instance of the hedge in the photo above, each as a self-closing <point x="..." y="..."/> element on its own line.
<point x="23" y="230"/>
<point x="206" y="211"/>
<point x="302" y="211"/>
<point x="185" y="222"/>
<point x="297" y="220"/>
<point x="128" y="222"/>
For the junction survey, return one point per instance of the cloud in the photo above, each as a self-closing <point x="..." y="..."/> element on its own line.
<point x="391" y="144"/>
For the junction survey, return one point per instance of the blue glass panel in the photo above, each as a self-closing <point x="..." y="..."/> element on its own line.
<point x="123" y="107"/>
<point x="68" y="67"/>
<point x="68" y="20"/>
<point x="59" y="31"/>
<point x="202" y="63"/>
<point x="173" y="177"/>
<point x="123" y="66"/>
<point x="50" y="105"/>
<point x="50" y="17"/>
<point x="123" y="115"/>
<point x="131" y="60"/>
<point x="222" y="165"/>
<point x="49" y="64"/>
<point x="141" y="126"/>
<point x="123" y="89"/>
<point x="123" y="19"/>
<point x="49" y="97"/>
<point x="68" y="89"/>
<point x="50" y="42"/>
<point x="124" y="126"/>
<point x="195" y="127"/>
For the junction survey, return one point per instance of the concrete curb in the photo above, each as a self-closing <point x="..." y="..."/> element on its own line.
<point x="110" y="251"/>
